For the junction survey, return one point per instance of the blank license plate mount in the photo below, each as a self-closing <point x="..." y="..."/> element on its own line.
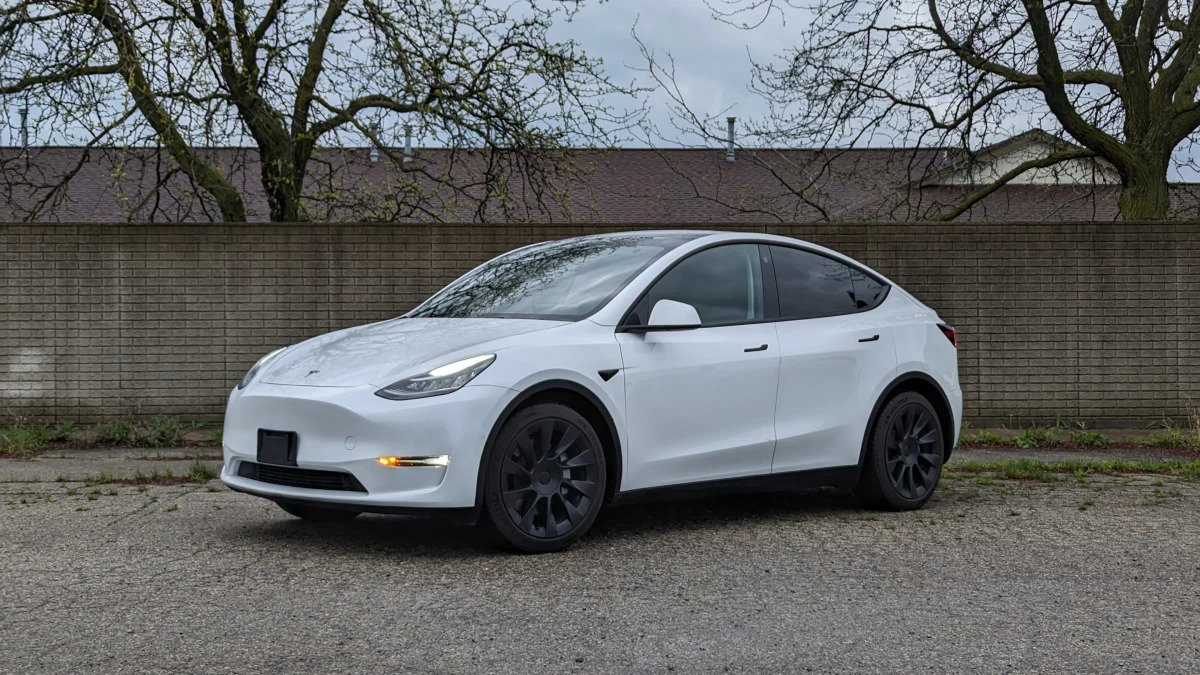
<point x="277" y="447"/>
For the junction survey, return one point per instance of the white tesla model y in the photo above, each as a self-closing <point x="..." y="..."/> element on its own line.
<point x="566" y="375"/>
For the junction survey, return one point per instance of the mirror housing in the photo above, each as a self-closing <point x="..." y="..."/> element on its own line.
<point x="668" y="315"/>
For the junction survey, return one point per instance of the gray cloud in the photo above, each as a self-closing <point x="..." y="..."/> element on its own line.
<point x="712" y="58"/>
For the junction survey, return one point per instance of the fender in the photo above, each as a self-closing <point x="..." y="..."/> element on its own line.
<point x="530" y="392"/>
<point x="925" y="378"/>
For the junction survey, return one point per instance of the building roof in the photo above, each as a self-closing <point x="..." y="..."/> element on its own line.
<point x="630" y="186"/>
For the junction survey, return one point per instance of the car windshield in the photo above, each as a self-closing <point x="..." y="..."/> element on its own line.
<point x="561" y="280"/>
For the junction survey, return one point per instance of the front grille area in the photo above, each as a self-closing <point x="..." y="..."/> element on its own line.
<point x="301" y="478"/>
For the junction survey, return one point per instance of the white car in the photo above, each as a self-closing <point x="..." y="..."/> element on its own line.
<point x="566" y="375"/>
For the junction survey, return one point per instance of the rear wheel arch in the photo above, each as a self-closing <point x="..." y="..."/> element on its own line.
<point x="923" y="384"/>
<point x="580" y="399"/>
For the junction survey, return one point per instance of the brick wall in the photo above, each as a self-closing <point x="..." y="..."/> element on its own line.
<point x="1092" y="322"/>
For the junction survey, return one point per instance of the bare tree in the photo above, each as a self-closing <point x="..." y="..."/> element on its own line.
<point x="297" y="78"/>
<point x="1117" y="82"/>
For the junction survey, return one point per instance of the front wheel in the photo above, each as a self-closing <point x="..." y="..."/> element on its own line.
<point x="904" y="455"/>
<point x="545" y="478"/>
<point x="318" y="514"/>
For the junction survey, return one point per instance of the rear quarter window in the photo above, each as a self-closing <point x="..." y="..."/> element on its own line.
<point x="812" y="285"/>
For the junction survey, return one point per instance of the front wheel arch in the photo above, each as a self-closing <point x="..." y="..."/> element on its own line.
<point x="577" y="397"/>
<point x="921" y="383"/>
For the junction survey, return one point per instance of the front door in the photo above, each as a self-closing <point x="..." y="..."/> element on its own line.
<point x="700" y="403"/>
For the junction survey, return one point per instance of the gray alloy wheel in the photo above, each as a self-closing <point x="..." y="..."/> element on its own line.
<point x="545" y="479"/>
<point x="904" y="455"/>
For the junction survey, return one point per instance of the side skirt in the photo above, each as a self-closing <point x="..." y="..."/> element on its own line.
<point x="840" y="477"/>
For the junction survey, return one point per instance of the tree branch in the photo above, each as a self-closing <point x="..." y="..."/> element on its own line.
<point x="1008" y="176"/>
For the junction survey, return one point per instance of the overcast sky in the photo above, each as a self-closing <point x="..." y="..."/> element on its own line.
<point x="712" y="58"/>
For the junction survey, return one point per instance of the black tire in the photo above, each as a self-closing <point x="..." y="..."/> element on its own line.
<point x="905" y="451"/>
<point x="318" y="514"/>
<point x="545" y="478"/>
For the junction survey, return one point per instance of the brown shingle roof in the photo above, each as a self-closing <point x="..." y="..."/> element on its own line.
<point x="633" y="186"/>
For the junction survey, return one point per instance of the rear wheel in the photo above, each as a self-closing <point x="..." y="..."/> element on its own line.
<point x="545" y="478"/>
<point x="318" y="514"/>
<point x="905" y="450"/>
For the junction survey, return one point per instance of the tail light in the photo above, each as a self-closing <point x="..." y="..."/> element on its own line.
<point x="950" y="334"/>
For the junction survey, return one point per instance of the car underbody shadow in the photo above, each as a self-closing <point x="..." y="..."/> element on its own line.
<point x="731" y="510"/>
<point x="387" y="535"/>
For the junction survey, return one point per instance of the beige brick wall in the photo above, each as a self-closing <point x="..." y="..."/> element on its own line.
<point x="1093" y="322"/>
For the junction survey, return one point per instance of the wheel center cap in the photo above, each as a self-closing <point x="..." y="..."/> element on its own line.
<point x="546" y="478"/>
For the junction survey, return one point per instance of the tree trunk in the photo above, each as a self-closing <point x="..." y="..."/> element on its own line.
<point x="1145" y="194"/>
<point x="283" y="190"/>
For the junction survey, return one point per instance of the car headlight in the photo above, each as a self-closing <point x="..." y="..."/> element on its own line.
<point x="441" y="380"/>
<point x="258" y="366"/>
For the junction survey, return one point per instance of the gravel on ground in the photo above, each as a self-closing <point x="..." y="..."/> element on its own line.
<point x="1093" y="575"/>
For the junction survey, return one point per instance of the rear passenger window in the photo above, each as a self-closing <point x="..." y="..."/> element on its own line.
<point x="812" y="286"/>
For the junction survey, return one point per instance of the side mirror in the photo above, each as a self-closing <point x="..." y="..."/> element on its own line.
<point x="671" y="314"/>
<point x="668" y="315"/>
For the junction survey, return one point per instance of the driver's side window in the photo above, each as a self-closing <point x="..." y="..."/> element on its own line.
<point x="723" y="283"/>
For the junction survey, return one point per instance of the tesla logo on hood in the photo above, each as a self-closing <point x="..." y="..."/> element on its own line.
<point x="311" y="372"/>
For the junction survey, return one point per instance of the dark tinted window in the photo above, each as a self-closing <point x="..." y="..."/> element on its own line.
<point x="565" y="280"/>
<point x="867" y="291"/>
<point x="811" y="285"/>
<point x="724" y="284"/>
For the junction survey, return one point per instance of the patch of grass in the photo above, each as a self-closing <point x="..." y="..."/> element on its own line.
<point x="62" y="432"/>
<point x="114" y="433"/>
<point x="23" y="440"/>
<point x="1033" y="469"/>
<point x="199" y="472"/>
<point x="1089" y="439"/>
<point x="165" y="477"/>
<point x="1172" y="437"/>
<point x="981" y="437"/>
<point x="1035" y="437"/>
<point x="173" y="507"/>
<point x="213" y="437"/>
<point x="82" y="508"/>
<point x="163" y="432"/>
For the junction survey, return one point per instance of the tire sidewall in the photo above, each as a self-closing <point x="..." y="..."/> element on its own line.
<point x="493" y="501"/>
<point x="879" y="450"/>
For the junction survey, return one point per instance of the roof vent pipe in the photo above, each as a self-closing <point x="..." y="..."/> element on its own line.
<point x="729" y="141"/>
<point x="407" y="142"/>
<point x="24" y="112"/>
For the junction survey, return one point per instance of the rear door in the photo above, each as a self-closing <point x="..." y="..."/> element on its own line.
<point x="700" y="403"/>
<point x="836" y="351"/>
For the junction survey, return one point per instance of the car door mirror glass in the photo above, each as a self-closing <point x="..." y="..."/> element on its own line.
<point x="673" y="314"/>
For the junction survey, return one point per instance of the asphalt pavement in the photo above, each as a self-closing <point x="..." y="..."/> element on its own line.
<point x="993" y="576"/>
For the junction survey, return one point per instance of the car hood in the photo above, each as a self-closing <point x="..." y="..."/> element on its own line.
<point x="382" y="353"/>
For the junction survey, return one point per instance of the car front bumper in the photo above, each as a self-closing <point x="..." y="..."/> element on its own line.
<point x="346" y="430"/>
